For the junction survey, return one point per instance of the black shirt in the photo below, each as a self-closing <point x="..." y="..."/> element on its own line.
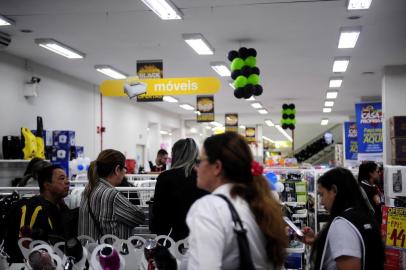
<point x="371" y="192"/>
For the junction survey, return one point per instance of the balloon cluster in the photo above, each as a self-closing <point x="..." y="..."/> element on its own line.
<point x="245" y="73"/>
<point x="288" y="116"/>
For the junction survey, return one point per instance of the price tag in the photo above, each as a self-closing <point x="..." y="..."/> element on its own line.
<point x="396" y="227"/>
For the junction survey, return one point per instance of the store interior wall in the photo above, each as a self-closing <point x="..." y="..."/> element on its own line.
<point x="67" y="103"/>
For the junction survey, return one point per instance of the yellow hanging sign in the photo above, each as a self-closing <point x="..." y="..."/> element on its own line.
<point x="133" y="86"/>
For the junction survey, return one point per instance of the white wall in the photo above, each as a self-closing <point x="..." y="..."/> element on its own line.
<point x="393" y="102"/>
<point x="67" y="103"/>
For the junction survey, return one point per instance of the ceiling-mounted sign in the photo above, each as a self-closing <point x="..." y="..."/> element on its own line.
<point x="250" y="134"/>
<point x="149" y="69"/>
<point x="231" y="122"/>
<point x="205" y="108"/>
<point x="133" y="86"/>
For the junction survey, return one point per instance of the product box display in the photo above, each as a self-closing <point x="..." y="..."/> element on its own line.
<point x="60" y="154"/>
<point x="395" y="181"/>
<point x="47" y="135"/>
<point x="76" y="152"/>
<point x="397" y="126"/>
<point x="398" y="148"/>
<point x="64" y="138"/>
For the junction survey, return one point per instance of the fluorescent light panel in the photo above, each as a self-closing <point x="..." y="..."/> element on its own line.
<point x="358" y="4"/>
<point x="328" y="103"/>
<point x="335" y="82"/>
<point x="165" y="9"/>
<point x="256" y="105"/>
<point x="327" y="110"/>
<point x="284" y="133"/>
<point x="242" y="126"/>
<point x="163" y="132"/>
<point x="59" y="48"/>
<point x="216" y="124"/>
<point x="324" y="122"/>
<point x="269" y="123"/>
<point x="198" y="43"/>
<point x="221" y="69"/>
<point x="4" y="21"/>
<point x="331" y="94"/>
<point x="348" y="37"/>
<point x="266" y="138"/>
<point x="111" y="72"/>
<point x="262" y="111"/>
<point x="170" y="99"/>
<point x="187" y="107"/>
<point x="340" y="64"/>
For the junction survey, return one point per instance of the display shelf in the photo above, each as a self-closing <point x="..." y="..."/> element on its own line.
<point x="300" y="215"/>
<point x="299" y="250"/>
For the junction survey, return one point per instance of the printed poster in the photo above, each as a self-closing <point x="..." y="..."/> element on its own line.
<point x="149" y="69"/>
<point x="351" y="140"/>
<point x="250" y="134"/>
<point x="395" y="227"/>
<point x="231" y="122"/>
<point x="369" y="128"/>
<point x="205" y="108"/>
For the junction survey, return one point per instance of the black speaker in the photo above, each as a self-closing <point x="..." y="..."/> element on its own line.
<point x="12" y="147"/>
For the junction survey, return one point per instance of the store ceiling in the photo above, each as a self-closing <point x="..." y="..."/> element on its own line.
<point x="296" y="43"/>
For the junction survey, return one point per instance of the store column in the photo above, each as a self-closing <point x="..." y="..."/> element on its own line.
<point x="260" y="146"/>
<point x="393" y="102"/>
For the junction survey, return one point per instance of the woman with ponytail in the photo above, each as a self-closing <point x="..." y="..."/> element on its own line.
<point x="226" y="167"/>
<point x="103" y="210"/>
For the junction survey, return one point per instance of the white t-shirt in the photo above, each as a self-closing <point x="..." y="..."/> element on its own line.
<point x="212" y="241"/>
<point x="342" y="240"/>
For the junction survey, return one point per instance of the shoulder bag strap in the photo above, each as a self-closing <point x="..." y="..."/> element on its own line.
<point x="96" y="222"/>
<point x="245" y="254"/>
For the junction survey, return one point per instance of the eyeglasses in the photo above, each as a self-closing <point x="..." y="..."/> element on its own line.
<point x="199" y="160"/>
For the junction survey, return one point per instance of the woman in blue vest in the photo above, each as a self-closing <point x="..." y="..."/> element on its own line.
<point x="350" y="239"/>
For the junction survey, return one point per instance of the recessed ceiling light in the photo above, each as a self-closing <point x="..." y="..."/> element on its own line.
<point x="256" y="105"/>
<point x="284" y="133"/>
<point x="335" y="82"/>
<point x="165" y="9"/>
<point x="358" y="4"/>
<point x="348" y="37"/>
<point x="59" y="48"/>
<point x="262" y="111"/>
<point x="242" y="126"/>
<point x="170" y="99"/>
<point x="328" y="103"/>
<point x="221" y="69"/>
<point x="331" y="94"/>
<point x="111" y="72"/>
<point x="324" y="122"/>
<point x="4" y="21"/>
<point x="198" y="43"/>
<point x="187" y="107"/>
<point x="269" y="123"/>
<point x="340" y="64"/>
<point x="327" y="110"/>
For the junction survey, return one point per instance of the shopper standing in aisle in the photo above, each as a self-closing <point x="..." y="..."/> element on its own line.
<point x="160" y="161"/>
<point x="350" y="239"/>
<point x="226" y="168"/>
<point x="103" y="210"/>
<point x="369" y="180"/>
<point x="176" y="191"/>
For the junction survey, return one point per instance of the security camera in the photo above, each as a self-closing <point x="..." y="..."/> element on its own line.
<point x="135" y="89"/>
<point x="35" y="79"/>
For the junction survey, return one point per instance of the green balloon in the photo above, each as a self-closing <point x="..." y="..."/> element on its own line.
<point x="237" y="64"/>
<point x="282" y="121"/>
<point x="240" y="81"/>
<point x="288" y="121"/>
<point x="253" y="79"/>
<point x="294" y="121"/>
<point x="288" y="111"/>
<point x="293" y="111"/>
<point x="251" y="61"/>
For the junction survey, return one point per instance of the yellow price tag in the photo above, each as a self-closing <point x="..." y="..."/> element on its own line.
<point x="396" y="226"/>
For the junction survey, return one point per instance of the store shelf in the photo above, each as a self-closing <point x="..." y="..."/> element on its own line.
<point x="300" y="215"/>
<point x="300" y="249"/>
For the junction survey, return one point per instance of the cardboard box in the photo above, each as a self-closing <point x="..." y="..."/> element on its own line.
<point x="60" y="154"/>
<point x="397" y="126"/>
<point x="401" y="162"/>
<point x="64" y="138"/>
<point x="76" y="152"/>
<point x="398" y="148"/>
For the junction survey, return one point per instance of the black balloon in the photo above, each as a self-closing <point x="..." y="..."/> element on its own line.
<point x="252" y="52"/>
<point x="292" y="126"/>
<point x="292" y="116"/>
<point x="232" y="55"/>
<point x="285" y="116"/>
<point x="285" y="106"/>
<point x="258" y="90"/>
<point x="292" y="106"/>
<point x="243" y="52"/>
<point x="246" y="71"/>
<point x="255" y="70"/>
<point x="235" y="74"/>
<point x="285" y="126"/>
<point x="248" y="90"/>
<point x="239" y="92"/>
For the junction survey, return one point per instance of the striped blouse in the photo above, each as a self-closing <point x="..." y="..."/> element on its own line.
<point x="115" y="214"/>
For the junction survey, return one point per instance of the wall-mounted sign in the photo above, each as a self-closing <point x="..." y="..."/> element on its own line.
<point x="250" y="134"/>
<point x="133" y="86"/>
<point x="231" y="122"/>
<point x="149" y="69"/>
<point x="369" y="124"/>
<point x="205" y="107"/>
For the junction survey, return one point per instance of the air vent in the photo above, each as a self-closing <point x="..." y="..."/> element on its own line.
<point x="5" y="40"/>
